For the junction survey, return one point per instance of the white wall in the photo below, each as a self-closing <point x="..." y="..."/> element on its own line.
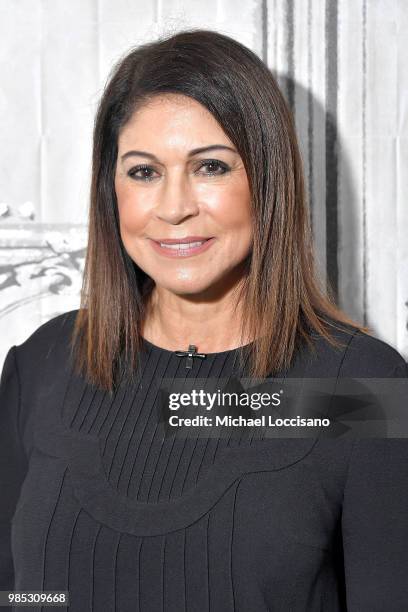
<point x="342" y="68"/>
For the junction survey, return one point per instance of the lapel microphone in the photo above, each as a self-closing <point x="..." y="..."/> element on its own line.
<point x="192" y="352"/>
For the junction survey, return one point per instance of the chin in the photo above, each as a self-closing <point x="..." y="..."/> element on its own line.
<point x="186" y="287"/>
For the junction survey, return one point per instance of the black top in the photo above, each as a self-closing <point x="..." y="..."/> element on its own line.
<point x="95" y="500"/>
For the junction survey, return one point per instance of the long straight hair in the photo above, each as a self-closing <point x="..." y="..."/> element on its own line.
<point x="281" y="295"/>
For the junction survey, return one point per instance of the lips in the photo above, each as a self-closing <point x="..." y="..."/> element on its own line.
<point x="182" y="240"/>
<point x="175" y="248"/>
<point x="182" y="245"/>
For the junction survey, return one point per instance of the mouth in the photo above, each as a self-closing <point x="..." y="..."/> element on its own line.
<point x="183" y="247"/>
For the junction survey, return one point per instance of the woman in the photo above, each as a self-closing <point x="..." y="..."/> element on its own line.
<point x="199" y="266"/>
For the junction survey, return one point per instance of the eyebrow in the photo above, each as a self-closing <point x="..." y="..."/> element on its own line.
<point x="190" y="153"/>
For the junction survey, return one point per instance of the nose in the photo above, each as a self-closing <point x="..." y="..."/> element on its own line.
<point x="176" y="199"/>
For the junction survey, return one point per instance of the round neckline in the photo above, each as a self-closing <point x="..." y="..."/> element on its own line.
<point x="163" y="350"/>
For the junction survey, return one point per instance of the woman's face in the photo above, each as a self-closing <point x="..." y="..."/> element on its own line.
<point x="165" y="190"/>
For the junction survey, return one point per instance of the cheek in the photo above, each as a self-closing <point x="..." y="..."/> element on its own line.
<point x="232" y="209"/>
<point x="132" y="214"/>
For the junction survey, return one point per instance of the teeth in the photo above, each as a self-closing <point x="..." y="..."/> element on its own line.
<point x="180" y="245"/>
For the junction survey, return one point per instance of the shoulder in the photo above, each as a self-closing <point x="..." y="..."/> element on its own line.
<point x="38" y="346"/>
<point x="48" y="333"/>
<point x="359" y="354"/>
<point x="32" y="367"/>
<point x="370" y="356"/>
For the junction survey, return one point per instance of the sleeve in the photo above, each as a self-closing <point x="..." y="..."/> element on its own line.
<point x="13" y="462"/>
<point x="375" y="523"/>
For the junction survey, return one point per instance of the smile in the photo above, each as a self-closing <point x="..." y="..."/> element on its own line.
<point x="182" y="249"/>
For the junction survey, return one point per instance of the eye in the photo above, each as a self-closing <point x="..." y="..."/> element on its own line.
<point x="146" y="173"/>
<point x="215" y="166"/>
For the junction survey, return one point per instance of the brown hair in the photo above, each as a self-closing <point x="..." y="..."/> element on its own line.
<point x="281" y="294"/>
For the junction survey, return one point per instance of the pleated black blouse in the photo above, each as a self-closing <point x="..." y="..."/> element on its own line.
<point x="97" y="501"/>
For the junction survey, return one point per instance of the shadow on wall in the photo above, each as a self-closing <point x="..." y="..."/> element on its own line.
<point x="333" y="198"/>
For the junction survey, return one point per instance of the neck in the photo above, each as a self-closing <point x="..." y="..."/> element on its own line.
<point x="174" y="322"/>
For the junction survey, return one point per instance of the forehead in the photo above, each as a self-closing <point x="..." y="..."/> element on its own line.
<point x="171" y="116"/>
